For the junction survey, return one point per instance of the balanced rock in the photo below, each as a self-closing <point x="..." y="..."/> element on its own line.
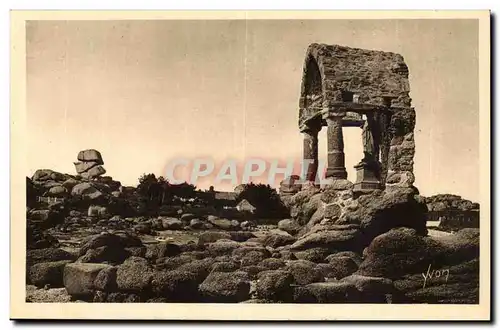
<point x="89" y="164"/>
<point x="90" y="155"/>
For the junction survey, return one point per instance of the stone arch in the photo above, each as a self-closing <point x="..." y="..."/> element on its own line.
<point x="339" y="84"/>
<point x="312" y="94"/>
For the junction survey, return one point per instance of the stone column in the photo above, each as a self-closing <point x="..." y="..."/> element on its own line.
<point x="336" y="158"/>
<point x="310" y="157"/>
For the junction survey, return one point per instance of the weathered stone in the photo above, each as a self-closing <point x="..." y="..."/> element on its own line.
<point x="349" y="254"/>
<point x="275" y="285"/>
<point x="57" y="191"/>
<point x="277" y="240"/>
<point x="344" y="266"/>
<point x="332" y="211"/>
<point x="247" y="224"/>
<point x="176" y="286"/>
<point x="272" y="263"/>
<point x="48" y="254"/>
<point x="222" y="246"/>
<point x="36" y="238"/>
<point x="143" y="228"/>
<point x="335" y="238"/>
<point x="290" y="226"/>
<point x="337" y="184"/>
<point x="329" y="195"/>
<point x="93" y="172"/>
<point x="87" y="190"/>
<point x="304" y="204"/>
<point x="90" y="155"/>
<point x="82" y="167"/>
<point x="314" y="255"/>
<point x="50" y="273"/>
<point x="79" y="278"/>
<point x="221" y="223"/>
<point x="196" y="223"/>
<point x="225" y="266"/>
<point x="134" y="275"/>
<point x="374" y="285"/>
<point x="239" y="253"/>
<point x="113" y="241"/>
<point x="253" y="271"/>
<point x="104" y="254"/>
<point x="200" y="268"/>
<point x="45" y="218"/>
<point x="171" y="224"/>
<point x="171" y="263"/>
<point x="70" y="183"/>
<point x="212" y="236"/>
<point x="221" y="287"/>
<point x="304" y="272"/>
<point x="253" y="258"/>
<point x="122" y="297"/>
<point x="106" y="279"/>
<point x="46" y="174"/>
<point x="241" y="236"/>
<point x="402" y="251"/>
<point x="36" y="295"/>
<point x="332" y="292"/>
<point x="186" y="217"/>
<point x="458" y="284"/>
<point x="289" y="186"/>
<point x="161" y="250"/>
<point x="381" y="211"/>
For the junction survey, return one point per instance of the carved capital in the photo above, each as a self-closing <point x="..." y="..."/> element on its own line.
<point x="334" y="116"/>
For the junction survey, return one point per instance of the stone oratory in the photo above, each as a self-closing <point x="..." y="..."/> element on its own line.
<point x="350" y="87"/>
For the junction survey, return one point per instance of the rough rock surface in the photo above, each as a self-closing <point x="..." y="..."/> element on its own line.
<point x="290" y="226"/>
<point x="176" y="286"/>
<point x="57" y="295"/>
<point x="79" y="278"/>
<point x="47" y="273"/>
<point x="221" y="287"/>
<point x="48" y="254"/>
<point x="109" y="243"/>
<point x="427" y="269"/>
<point x="275" y="286"/>
<point x="134" y="275"/>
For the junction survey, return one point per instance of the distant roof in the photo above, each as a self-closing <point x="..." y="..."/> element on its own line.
<point x="226" y="195"/>
<point x="246" y="205"/>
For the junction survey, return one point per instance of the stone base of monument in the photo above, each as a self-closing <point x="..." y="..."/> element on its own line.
<point x="336" y="184"/>
<point x="367" y="178"/>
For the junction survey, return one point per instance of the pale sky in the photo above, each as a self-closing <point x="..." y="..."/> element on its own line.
<point x="145" y="92"/>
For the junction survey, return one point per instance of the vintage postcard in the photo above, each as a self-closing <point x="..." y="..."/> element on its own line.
<point x="250" y="165"/>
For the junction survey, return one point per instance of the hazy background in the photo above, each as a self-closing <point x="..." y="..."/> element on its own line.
<point x="145" y="92"/>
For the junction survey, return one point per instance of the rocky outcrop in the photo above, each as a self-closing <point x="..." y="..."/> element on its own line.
<point x="336" y="246"/>
<point x="339" y="220"/>
<point x="79" y="278"/>
<point x="47" y="273"/>
<point x="444" y="202"/>
<point x="453" y="212"/>
<point x="422" y="267"/>
<point x="89" y="164"/>
<point x="224" y="287"/>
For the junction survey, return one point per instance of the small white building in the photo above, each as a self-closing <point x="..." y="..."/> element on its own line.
<point x="245" y="206"/>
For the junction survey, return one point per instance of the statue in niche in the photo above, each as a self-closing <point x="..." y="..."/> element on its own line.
<point x="371" y="140"/>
